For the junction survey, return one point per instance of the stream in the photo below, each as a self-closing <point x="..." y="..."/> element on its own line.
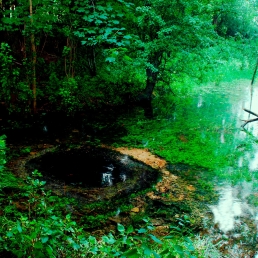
<point x="235" y="216"/>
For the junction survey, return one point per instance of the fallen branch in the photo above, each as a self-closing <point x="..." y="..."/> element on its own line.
<point x="249" y="120"/>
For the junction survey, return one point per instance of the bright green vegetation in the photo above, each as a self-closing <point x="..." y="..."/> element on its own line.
<point x="81" y="58"/>
<point x="74" y="56"/>
<point x="36" y="223"/>
<point x="178" y="141"/>
<point x="192" y="130"/>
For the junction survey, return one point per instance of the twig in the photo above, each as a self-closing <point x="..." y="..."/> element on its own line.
<point x="248" y="121"/>
<point x="251" y="112"/>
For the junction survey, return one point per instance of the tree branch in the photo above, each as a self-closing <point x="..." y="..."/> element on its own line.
<point x="248" y="111"/>
<point x="249" y="120"/>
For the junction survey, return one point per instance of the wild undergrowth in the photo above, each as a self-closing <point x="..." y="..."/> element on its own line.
<point x="187" y="129"/>
<point x="36" y="223"/>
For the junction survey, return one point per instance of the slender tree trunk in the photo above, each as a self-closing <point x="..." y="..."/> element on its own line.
<point x="34" y="60"/>
<point x="91" y="56"/>
<point x="150" y="83"/>
<point x="70" y="59"/>
<point x="152" y="76"/>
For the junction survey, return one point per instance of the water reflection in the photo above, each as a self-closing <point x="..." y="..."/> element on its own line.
<point x="124" y="159"/>
<point x="107" y="179"/>
<point x="123" y="177"/>
<point x="200" y="101"/>
<point x="222" y="137"/>
<point x="233" y="206"/>
<point x="227" y="210"/>
<point x="235" y="214"/>
<point x="240" y="162"/>
<point x="107" y="176"/>
<point x="253" y="163"/>
<point x="250" y="103"/>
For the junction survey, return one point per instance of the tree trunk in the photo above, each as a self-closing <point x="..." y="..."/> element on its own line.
<point x="152" y="73"/>
<point x="92" y="62"/>
<point x="34" y="60"/>
<point x="144" y="97"/>
<point x="150" y="83"/>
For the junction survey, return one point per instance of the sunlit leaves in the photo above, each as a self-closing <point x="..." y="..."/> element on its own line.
<point x="120" y="228"/>
<point x="110" y="59"/>
<point x="155" y="239"/>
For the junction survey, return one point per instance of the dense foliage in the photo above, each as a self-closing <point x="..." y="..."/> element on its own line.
<point x="74" y="55"/>
<point x="35" y="223"/>
<point x="79" y="56"/>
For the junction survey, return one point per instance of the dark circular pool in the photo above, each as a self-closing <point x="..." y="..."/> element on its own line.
<point x="88" y="167"/>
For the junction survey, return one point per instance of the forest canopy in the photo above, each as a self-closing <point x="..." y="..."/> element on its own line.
<point x="75" y="55"/>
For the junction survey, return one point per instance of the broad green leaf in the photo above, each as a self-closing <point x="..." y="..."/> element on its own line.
<point x="142" y="230"/>
<point x="147" y="251"/>
<point x="179" y="249"/>
<point x="120" y="228"/>
<point x="110" y="59"/>
<point x="115" y="21"/>
<point x="92" y="240"/>
<point x="44" y="239"/>
<point x="94" y="250"/>
<point x="176" y="228"/>
<point x="130" y="230"/>
<point x="75" y="246"/>
<point x="145" y="220"/>
<point x="155" y="239"/>
<point x="38" y="245"/>
<point x="49" y="250"/>
<point x="103" y="16"/>
<point x="127" y="58"/>
<point x="54" y="217"/>
<point x="133" y="253"/>
<point x="127" y="37"/>
<point x="109" y="240"/>
<point x="9" y="234"/>
<point x="81" y="10"/>
<point x="156" y="255"/>
<point x="19" y="228"/>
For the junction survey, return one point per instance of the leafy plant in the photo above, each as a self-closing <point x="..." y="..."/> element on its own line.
<point x="25" y="150"/>
<point x="34" y="225"/>
<point x="2" y="152"/>
<point x="42" y="232"/>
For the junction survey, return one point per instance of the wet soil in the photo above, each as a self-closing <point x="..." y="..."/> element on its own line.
<point x="69" y="172"/>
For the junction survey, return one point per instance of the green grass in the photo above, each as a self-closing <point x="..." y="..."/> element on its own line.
<point x="183" y="133"/>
